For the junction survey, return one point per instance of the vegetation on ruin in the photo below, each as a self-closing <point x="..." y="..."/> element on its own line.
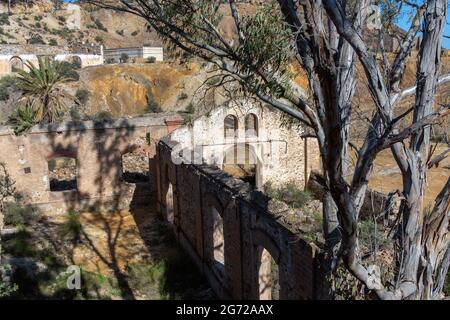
<point x="45" y="250"/>
<point x="5" y="84"/>
<point x="326" y="39"/>
<point x="22" y="119"/>
<point x="290" y="193"/>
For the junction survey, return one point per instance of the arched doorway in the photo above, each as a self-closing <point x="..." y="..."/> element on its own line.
<point x="170" y="211"/>
<point x="16" y="64"/>
<point x="268" y="276"/>
<point x="218" y="240"/>
<point x="241" y="163"/>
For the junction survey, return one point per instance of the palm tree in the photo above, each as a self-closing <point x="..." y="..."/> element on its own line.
<point x="42" y="90"/>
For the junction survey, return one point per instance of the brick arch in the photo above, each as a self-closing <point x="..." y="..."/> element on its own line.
<point x="210" y="200"/>
<point x="264" y="250"/>
<point x="262" y="239"/>
<point x="62" y="154"/>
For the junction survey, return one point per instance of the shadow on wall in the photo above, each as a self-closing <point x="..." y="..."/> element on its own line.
<point x="106" y="146"/>
<point x="122" y="179"/>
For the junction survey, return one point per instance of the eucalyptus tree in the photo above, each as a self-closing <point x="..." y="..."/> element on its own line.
<point x="326" y="37"/>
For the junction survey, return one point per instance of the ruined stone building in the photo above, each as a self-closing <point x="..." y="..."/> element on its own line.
<point x="114" y="55"/>
<point x="205" y="178"/>
<point x="14" y="57"/>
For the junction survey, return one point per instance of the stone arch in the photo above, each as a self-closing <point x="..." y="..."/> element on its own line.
<point x="16" y="64"/>
<point x="230" y="126"/>
<point x="242" y="162"/>
<point x="251" y="125"/>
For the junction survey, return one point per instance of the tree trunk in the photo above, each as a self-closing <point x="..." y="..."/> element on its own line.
<point x="436" y="248"/>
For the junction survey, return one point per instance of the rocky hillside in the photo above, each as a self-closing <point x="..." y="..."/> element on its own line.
<point x="71" y="25"/>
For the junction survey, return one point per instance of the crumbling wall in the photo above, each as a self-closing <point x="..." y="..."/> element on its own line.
<point x="97" y="148"/>
<point x="248" y="225"/>
<point x="282" y="153"/>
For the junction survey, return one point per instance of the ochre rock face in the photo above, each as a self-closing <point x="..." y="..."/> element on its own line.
<point x="121" y="96"/>
<point x="127" y="89"/>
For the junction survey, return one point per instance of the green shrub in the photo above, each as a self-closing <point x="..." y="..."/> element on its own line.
<point x="22" y="120"/>
<point x="446" y="289"/>
<point x="4" y="19"/>
<point x="370" y="234"/>
<point x="17" y="215"/>
<point x="183" y="96"/>
<point x="75" y="114"/>
<point x="6" y="288"/>
<point x="103" y="116"/>
<point x="190" y="108"/>
<point x="72" y="227"/>
<point x="38" y="25"/>
<point x="153" y="107"/>
<point x="124" y="58"/>
<point x="291" y="194"/>
<point x="99" y="39"/>
<point x="68" y="70"/>
<point x="36" y="39"/>
<point x="37" y="18"/>
<point x="100" y="25"/>
<point x="6" y="83"/>
<point x="53" y="42"/>
<point x="4" y="94"/>
<point x="82" y="96"/>
<point x="61" y="19"/>
<point x="151" y="60"/>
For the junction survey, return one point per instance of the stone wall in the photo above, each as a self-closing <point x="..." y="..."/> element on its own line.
<point x="98" y="150"/>
<point x="280" y="152"/>
<point x="188" y="194"/>
<point x="24" y="53"/>
<point x="115" y="54"/>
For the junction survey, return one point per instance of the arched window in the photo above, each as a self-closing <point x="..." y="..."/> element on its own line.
<point x="62" y="174"/>
<point x="230" y="126"/>
<point x="251" y="125"/>
<point x="241" y="163"/>
<point x="16" y="64"/>
<point x="268" y="276"/>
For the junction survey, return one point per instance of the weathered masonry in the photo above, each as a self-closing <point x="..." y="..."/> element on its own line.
<point x="85" y="165"/>
<point x="115" y="54"/>
<point x="210" y="177"/>
<point x="246" y="247"/>
<point x="14" y="57"/>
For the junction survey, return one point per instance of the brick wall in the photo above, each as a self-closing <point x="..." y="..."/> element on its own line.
<point x="248" y="226"/>
<point x="98" y="150"/>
